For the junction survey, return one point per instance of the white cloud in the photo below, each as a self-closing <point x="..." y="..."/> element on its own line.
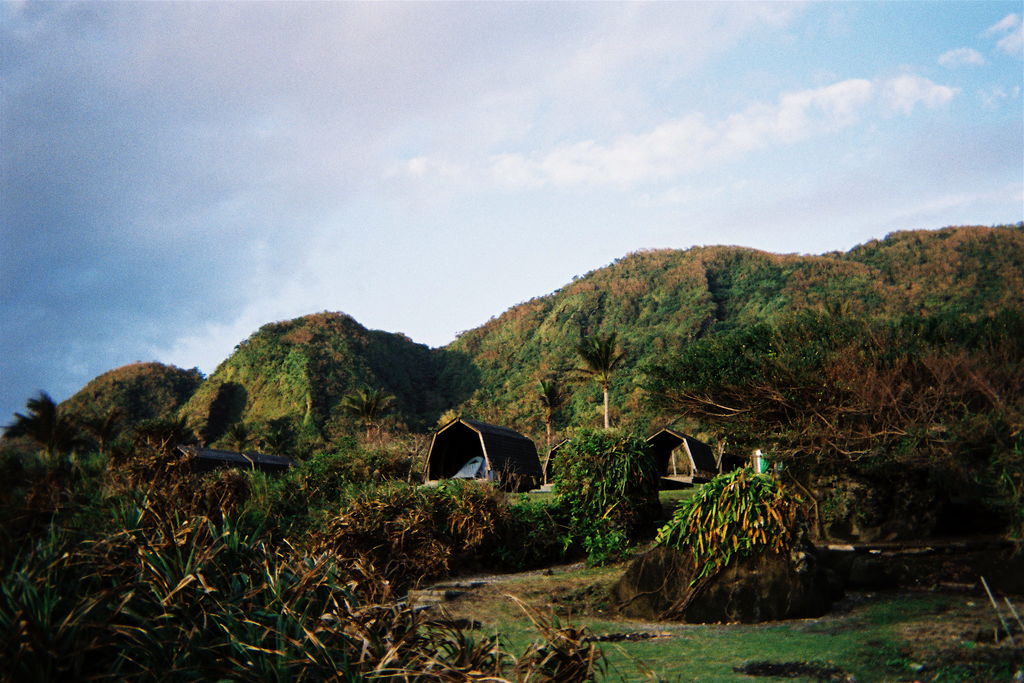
<point x="903" y="93"/>
<point x="688" y="143"/>
<point x="961" y="56"/>
<point x="993" y="97"/>
<point x="692" y="142"/>
<point x="1011" y="28"/>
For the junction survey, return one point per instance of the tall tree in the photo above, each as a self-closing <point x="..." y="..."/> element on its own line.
<point x="551" y="397"/>
<point x="103" y="429"/>
<point x="44" y="424"/>
<point x="368" y="406"/>
<point x="601" y="357"/>
<point x="239" y="436"/>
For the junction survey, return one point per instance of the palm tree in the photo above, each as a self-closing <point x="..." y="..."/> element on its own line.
<point x="551" y="397"/>
<point x="367" y="405"/>
<point x="239" y="436"/>
<point x="44" y="424"/>
<point x="600" y="358"/>
<point x="103" y="429"/>
<point x="162" y="434"/>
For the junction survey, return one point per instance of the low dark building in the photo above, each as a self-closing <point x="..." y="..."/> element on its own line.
<point x="468" y="449"/>
<point x="207" y="459"/>
<point x="682" y="458"/>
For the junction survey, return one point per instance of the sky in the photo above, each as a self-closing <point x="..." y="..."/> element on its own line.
<point x="173" y="175"/>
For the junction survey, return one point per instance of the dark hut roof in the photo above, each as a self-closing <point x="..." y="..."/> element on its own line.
<point x="506" y="450"/>
<point x="667" y="440"/>
<point x="209" y="458"/>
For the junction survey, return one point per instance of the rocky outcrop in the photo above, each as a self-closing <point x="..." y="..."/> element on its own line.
<point x="763" y="587"/>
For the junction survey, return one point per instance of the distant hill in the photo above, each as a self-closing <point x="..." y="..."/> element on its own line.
<point x="139" y="391"/>
<point x="300" y="370"/>
<point x="658" y="301"/>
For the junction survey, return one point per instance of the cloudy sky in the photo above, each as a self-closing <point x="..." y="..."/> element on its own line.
<point x="175" y="175"/>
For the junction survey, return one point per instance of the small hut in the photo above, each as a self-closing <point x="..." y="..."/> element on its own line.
<point x="681" y="458"/>
<point x="207" y="459"/>
<point x="468" y="449"/>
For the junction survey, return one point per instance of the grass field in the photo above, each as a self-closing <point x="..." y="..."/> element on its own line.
<point x="872" y="637"/>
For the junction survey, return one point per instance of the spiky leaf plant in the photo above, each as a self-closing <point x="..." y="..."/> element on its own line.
<point x="738" y="514"/>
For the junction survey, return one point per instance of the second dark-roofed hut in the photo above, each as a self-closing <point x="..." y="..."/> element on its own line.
<point x="506" y="456"/>
<point x="206" y="459"/>
<point x="682" y="458"/>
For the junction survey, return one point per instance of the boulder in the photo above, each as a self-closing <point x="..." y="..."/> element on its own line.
<point x="763" y="587"/>
<point x="895" y="504"/>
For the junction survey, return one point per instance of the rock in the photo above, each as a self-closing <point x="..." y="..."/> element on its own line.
<point x="764" y="587"/>
<point x="870" y="573"/>
<point x="886" y="506"/>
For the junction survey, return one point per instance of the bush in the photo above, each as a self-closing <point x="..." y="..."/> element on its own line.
<point x="736" y="514"/>
<point x="194" y="599"/>
<point x="607" y="482"/>
<point x="530" y="534"/>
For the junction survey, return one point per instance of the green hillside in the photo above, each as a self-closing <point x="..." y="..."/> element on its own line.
<point x="300" y="370"/>
<point x="658" y="302"/>
<point x="139" y="391"/>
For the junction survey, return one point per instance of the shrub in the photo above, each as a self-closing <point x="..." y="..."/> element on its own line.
<point x="736" y="514"/>
<point x="530" y="534"/>
<point x="195" y="599"/>
<point x="607" y="481"/>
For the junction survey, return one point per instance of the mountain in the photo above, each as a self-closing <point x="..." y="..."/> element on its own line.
<point x="299" y="371"/>
<point x="139" y="391"/>
<point x="659" y="301"/>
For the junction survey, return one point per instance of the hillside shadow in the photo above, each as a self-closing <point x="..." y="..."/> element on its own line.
<point x="457" y="379"/>
<point x="225" y="409"/>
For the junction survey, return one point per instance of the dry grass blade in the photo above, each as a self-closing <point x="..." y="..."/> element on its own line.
<point x="565" y="655"/>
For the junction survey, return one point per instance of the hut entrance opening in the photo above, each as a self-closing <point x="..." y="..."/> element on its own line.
<point x="453" y="450"/>
<point x="681" y="459"/>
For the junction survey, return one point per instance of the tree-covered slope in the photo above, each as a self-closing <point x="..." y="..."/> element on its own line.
<point x="659" y="301"/>
<point x="299" y="371"/>
<point x="139" y="391"/>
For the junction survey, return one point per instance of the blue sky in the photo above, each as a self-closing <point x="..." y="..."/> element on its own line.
<point x="174" y="175"/>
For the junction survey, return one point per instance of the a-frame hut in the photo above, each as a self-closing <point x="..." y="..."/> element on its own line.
<point x="468" y="449"/>
<point x="682" y="458"/>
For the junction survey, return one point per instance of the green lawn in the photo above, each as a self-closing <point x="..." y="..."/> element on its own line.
<point x="865" y="639"/>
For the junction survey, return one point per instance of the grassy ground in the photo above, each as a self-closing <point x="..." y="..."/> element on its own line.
<point x="671" y="497"/>
<point x="873" y="637"/>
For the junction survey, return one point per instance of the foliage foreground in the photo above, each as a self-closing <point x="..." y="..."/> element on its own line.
<point x="135" y="568"/>
<point x="200" y="599"/>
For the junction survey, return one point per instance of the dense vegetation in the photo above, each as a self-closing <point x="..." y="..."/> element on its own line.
<point x="607" y="482"/>
<point x="660" y="302"/>
<point x="738" y="514"/>
<point x="136" y="392"/>
<point x="918" y="410"/>
<point x="295" y="375"/>
<point x="130" y="566"/>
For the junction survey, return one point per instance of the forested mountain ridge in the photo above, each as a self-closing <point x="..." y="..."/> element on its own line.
<point x="659" y="301"/>
<point x="135" y="392"/>
<point x="300" y="370"/>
